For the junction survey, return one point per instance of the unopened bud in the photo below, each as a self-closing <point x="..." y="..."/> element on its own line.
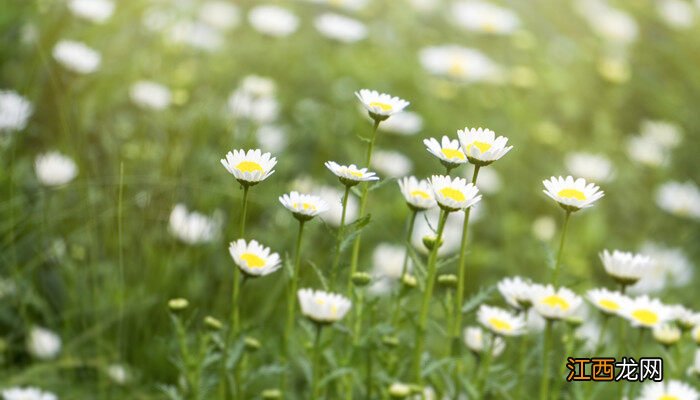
<point x="447" y="280"/>
<point x="361" y="279"/>
<point x="251" y="343"/>
<point x="270" y="394"/>
<point x="409" y="281"/>
<point x="178" y="304"/>
<point x="212" y="323"/>
<point x="399" y="390"/>
<point x="430" y="241"/>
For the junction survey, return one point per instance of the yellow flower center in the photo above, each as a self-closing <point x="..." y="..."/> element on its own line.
<point x="252" y="260"/>
<point x="452" y="153"/>
<point x="382" y="106"/>
<point x="556" y="301"/>
<point x="488" y="26"/>
<point x="500" y="325"/>
<point x="609" y="305"/>
<point x="457" y="68"/>
<point x="453" y="194"/>
<point x="572" y="194"/>
<point x="305" y="206"/>
<point x="482" y="146"/>
<point x="249" y="166"/>
<point x="320" y="301"/>
<point x="420" y="193"/>
<point x="354" y="173"/>
<point x="668" y="397"/>
<point x="646" y="317"/>
<point x="334" y="309"/>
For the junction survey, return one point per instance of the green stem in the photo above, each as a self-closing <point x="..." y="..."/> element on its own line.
<point x="522" y="364"/>
<point x="429" y="284"/>
<point x="484" y="373"/>
<point x="601" y="334"/>
<point x="291" y="304"/>
<point x="555" y="277"/>
<point x="546" y="348"/>
<point x="339" y="240"/>
<point x="404" y="267"/>
<point x="185" y="354"/>
<point x="315" y="362"/>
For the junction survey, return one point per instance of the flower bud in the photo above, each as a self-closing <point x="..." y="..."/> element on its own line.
<point x="178" y="304"/>
<point x="399" y="390"/>
<point x="391" y="341"/>
<point x="251" y="343"/>
<point x="271" y="394"/>
<point x="212" y="323"/>
<point x="409" y="280"/>
<point x="361" y="279"/>
<point x="447" y="280"/>
<point x="430" y="241"/>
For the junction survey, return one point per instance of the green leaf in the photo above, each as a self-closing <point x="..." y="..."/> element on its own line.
<point x="380" y="183"/>
<point x="318" y="272"/>
<point x="479" y="297"/>
<point x="352" y="230"/>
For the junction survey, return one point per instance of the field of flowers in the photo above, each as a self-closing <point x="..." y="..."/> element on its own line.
<point x="349" y="199"/>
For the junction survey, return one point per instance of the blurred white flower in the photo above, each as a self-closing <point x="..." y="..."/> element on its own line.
<point x="554" y="303"/>
<point x="192" y="227"/>
<point x="405" y="123"/>
<point x="97" y="11"/>
<point x="220" y="14"/>
<point x="254" y="259"/>
<point x="196" y="34"/>
<point x="273" y="20"/>
<point x="387" y="261"/>
<point x="611" y="24"/>
<point x="151" y="95"/>
<point x="677" y="14"/>
<point x="76" y="56"/>
<point x="340" y="28"/>
<point x="254" y="99"/>
<point x="352" y="5"/>
<point x="15" y="111"/>
<point x="480" y="16"/>
<point x="27" y="393"/>
<point x="666" y="334"/>
<point x="653" y="144"/>
<point x="645" y="150"/>
<point x="594" y="167"/>
<point x="333" y="197"/>
<point x="666" y="134"/>
<point x="391" y="164"/>
<point x="489" y="181"/>
<point x="459" y="63"/>
<point x="43" y="343"/>
<point x="452" y="234"/>
<point x="670" y="267"/>
<point x="477" y="342"/>
<point x="625" y="267"/>
<point x="118" y="373"/>
<point x="544" y="228"/>
<point x="54" y="169"/>
<point x="272" y="138"/>
<point x="668" y="390"/>
<point x="681" y="199"/>
<point x="323" y="307"/>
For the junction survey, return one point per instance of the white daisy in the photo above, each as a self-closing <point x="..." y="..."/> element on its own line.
<point x="489" y="179"/>
<point x="15" y="111"/>
<point x="340" y="28"/>
<point x="380" y="106"/>
<point x="272" y="138"/>
<point x="479" y="16"/>
<point x="572" y="195"/>
<point x="43" y="343"/>
<point x="220" y="14"/>
<point x="517" y="291"/>
<point x="460" y="63"/>
<point x="685" y="317"/>
<point x="681" y="199"/>
<point x="448" y="152"/>
<point x="645" y="312"/>
<point x="626" y="268"/>
<point x="647" y="151"/>
<point x="418" y="193"/>
<point x="193" y="227"/>
<point x="454" y="194"/>
<point x="676" y="14"/>
<point x="481" y="146"/>
<point x="404" y="123"/>
<point x="118" y="373"/>
<point x="607" y="301"/>
<point x="76" y="56"/>
<point x="554" y="303"/>
<point x="666" y="334"/>
<point x="334" y="197"/>
<point x="500" y="321"/>
<point x="611" y="24"/>
<point x="350" y="175"/>
<point x="196" y="34"/>
<point x="477" y="342"/>
<point x="27" y="393"/>
<point x="322" y="307"/>
<point x="668" y="390"/>
<point x="55" y="169"/>
<point x="97" y="11"/>
<point x="664" y="133"/>
<point x="255" y="99"/>
<point x="392" y="164"/>
<point x="273" y="20"/>
<point x="253" y="258"/>
<point x="670" y="267"/>
<point x="150" y="95"/>
<point x="595" y="167"/>
<point x="303" y="206"/>
<point x="251" y="167"/>
<point x="544" y="228"/>
<point x="387" y="261"/>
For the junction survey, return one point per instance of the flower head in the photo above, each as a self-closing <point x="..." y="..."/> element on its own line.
<point x="666" y="334"/>
<point x="322" y="307"/>
<point x="668" y="390"/>
<point x="477" y="342"/>
<point x="481" y="146"/>
<point x="55" y="169"/>
<point x="454" y="194"/>
<point x="380" y="106"/>
<point x="607" y="301"/>
<point x="340" y="28"/>
<point x="350" y="175"/>
<point x="645" y="312"/>
<point x="76" y="56"/>
<point x="192" y="227"/>
<point x="517" y="292"/>
<point x="500" y="321"/>
<point x="460" y="63"/>
<point x="249" y="168"/>
<point x="418" y="194"/>
<point x="681" y="199"/>
<point x="43" y="343"/>
<point x="483" y="17"/>
<point x="273" y="20"/>
<point x="595" y="167"/>
<point x="625" y="268"/>
<point x="150" y="95"/>
<point x="27" y="393"/>
<point x="572" y="195"/>
<point x="15" y="111"/>
<point x="447" y="151"/>
<point x="97" y="11"/>
<point x="253" y="258"/>
<point x="303" y="206"/>
<point x="554" y="303"/>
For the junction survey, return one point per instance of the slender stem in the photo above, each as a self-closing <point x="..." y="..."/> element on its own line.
<point x="601" y="334"/>
<point x="427" y="295"/>
<point x="245" y="209"/>
<point x="484" y="373"/>
<point x="315" y="362"/>
<point x="120" y="230"/>
<point x="368" y="354"/>
<point x="291" y="301"/>
<point x="522" y="364"/>
<point x="546" y="348"/>
<point x="185" y="354"/>
<point x="339" y="240"/>
<point x="555" y="277"/>
<point x="404" y="267"/>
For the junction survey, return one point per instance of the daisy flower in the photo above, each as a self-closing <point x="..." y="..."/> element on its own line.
<point x="554" y="303"/>
<point x="685" y="317"/>
<point x="350" y="175"/>
<point x="477" y="342"/>
<point x="517" y="292"/>
<point x="27" y="393"/>
<point x="454" y="194"/>
<point x="380" y="106"/>
<point x="273" y="20"/>
<point x="392" y="164"/>
<point x="253" y="258"/>
<point x="76" y="56"/>
<point x="645" y="312"/>
<point x="626" y="268"/>
<point x="460" y="63"/>
<point x="448" y="152"/>
<point x="150" y="95"/>
<point x="15" y="111"/>
<point x="670" y="268"/>
<point x="405" y="123"/>
<point x="666" y="334"/>
<point x="417" y="193"/>
<point x="192" y="227"/>
<point x="322" y="307"/>
<point x="43" y="343"/>
<point x="249" y="168"/>
<point x="340" y="28"/>
<point x="670" y="390"/>
<point x="572" y="195"/>
<point x="607" y="301"/>
<point x="483" y="17"/>
<point x="481" y="146"/>
<point x="220" y="15"/>
<point x="500" y="321"/>
<point x="303" y="206"/>
<point x="596" y="167"/>
<point x="681" y="199"/>
<point x="55" y="169"/>
<point x="97" y="11"/>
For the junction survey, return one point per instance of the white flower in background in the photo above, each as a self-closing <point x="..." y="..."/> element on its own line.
<point x="97" y="11"/>
<point x="554" y="303"/>
<point x="193" y="227"/>
<point x="351" y="5"/>
<point x="387" y="261"/>
<point x="647" y="151"/>
<point x="380" y="106"/>
<point x="220" y="14"/>
<point x="151" y="95"/>
<point x="118" y="373"/>
<point x="685" y="317"/>
<point x="334" y="198"/>
<point x="43" y="343"/>
<point x="500" y="321"/>
<point x="251" y="167"/>
<point x="399" y="390"/>
<point x="454" y="194"/>
<point x="322" y="307"/>
<point x="607" y="301"/>
<point x="392" y="164"/>
<point x="447" y="151"/>
<point x="427" y="223"/>
<point x="645" y="312"/>
<point x="572" y="195"/>
<point x="611" y="24"/>
<point x="196" y="34"/>
<point x="340" y="28"/>
<point x="273" y="20"/>
<point x="517" y="291"/>
<point x="594" y="167"/>
<point x="480" y="16"/>
<point x="253" y="258"/>
<point x="477" y="342"/>
<point x="76" y="56"/>
<point x="481" y="146"/>
<point x="54" y="169"/>
<point x="404" y="123"/>
<point x="535" y="321"/>
<point x="418" y="193"/>
<point x="544" y="228"/>
<point x="681" y="199"/>
<point x="668" y="390"/>
<point x="350" y="175"/>
<point x="670" y="267"/>
<point x="15" y="111"/>
<point x="665" y="134"/>
<point x="666" y="334"/>
<point x="27" y="393"/>
<point x="489" y="180"/>
<point x="460" y="63"/>
<point x="626" y="268"/>
<point x="255" y="99"/>
<point x="303" y="206"/>
<point x="272" y="138"/>
<point x="695" y="369"/>
<point x="677" y="14"/>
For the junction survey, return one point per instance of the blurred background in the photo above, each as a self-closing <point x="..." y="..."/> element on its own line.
<point x="114" y="116"/>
